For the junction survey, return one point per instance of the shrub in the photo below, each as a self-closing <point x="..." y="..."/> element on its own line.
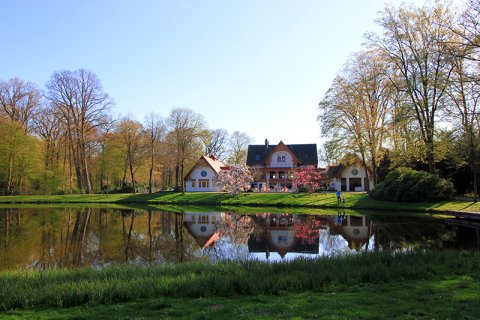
<point x="408" y="185"/>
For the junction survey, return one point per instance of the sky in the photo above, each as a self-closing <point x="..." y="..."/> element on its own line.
<point x="258" y="66"/>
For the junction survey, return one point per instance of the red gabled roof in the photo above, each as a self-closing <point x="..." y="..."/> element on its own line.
<point x="211" y="161"/>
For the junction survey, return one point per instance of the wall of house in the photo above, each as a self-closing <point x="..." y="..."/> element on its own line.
<point x="281" y="155"/>
<point x="348" y="174"/>
<point x="196" y="175"/>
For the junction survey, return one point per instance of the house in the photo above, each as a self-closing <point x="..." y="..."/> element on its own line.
<point x="273" y="166"/>
<point x="356" y="230"/>
<point x="202" y="227"/>
<point x="203" y="175"/>
<point x="349" y="178"/>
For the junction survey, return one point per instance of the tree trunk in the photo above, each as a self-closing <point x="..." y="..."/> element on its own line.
<point x="150" y="179"/>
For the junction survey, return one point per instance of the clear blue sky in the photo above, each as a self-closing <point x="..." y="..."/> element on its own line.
<point x="257" y="66"/>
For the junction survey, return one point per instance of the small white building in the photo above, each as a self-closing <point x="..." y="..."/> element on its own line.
<point x="349" y="178"/>
<point x="203" y="176"/>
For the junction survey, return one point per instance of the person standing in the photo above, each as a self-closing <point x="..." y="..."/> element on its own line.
<point x="339" y="196"/>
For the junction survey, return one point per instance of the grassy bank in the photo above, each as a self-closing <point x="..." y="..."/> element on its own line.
<point x="292" y="200"/>
<point x="430" y="285"/>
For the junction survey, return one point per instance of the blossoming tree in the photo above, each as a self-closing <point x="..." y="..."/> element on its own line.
<point x="238" y="178"/>
<point x="308" y="178"/>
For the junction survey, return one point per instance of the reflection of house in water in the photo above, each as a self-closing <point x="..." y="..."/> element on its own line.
<point x="280" y="233"/>
<point x="356" y="230"/>
<point x="202" y="227"/>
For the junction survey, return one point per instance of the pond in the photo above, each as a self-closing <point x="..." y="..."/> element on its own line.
<point x="43" y="238"/>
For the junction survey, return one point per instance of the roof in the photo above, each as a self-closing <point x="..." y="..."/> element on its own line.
<point x="305" y="153"/>
<point x="211" y="161"/>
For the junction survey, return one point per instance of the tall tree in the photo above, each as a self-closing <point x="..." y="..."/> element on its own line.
<point x="356" y="106"/>
<point x="215" y="142"/>
<point x="131" y="134"/>
<point x="238" y="146"/>
<point x="19" y="101"/>
<point x="186" y="128"/>
<point x="155" y="133"/>
<point x="83" y="107"/>
<point x="413" y="41"/>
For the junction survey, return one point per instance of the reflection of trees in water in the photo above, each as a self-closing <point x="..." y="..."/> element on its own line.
<point x="395" y="233"/>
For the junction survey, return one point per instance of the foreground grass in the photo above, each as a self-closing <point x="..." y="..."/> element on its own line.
<point x="440" y="281"/>
<point x="292" y="200"/>
<point x="455" y="297"/>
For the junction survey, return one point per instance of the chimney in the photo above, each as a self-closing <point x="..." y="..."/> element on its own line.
<point x="266" y="145"/>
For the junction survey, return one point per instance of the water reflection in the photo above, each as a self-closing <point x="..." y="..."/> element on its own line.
<point x="70" y="237"/>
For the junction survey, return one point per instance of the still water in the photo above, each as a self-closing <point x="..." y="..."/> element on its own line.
<point x="42" y="238"/>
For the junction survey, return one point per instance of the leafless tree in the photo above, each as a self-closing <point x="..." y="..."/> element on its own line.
<point x="186" y="128"/>
<point x="19" y="101"/>
<point x="79" y="98"/>
<point x="215" y="142"/>
<point x="238" y="145"/>
<point x="155" y="132"/>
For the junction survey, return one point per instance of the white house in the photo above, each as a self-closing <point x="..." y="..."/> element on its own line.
<point x="349" y="178"/>
<point x="202" y="226"/>
<point x="203" y="176"/>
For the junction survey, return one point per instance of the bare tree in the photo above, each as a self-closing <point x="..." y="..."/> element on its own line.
<point x="215" y="142"/>
<point x="238" y="145"/>
<point x="413" y="41"/>
<point x="155" y="132"/>
<point x="186" y="128"/>
<point x="79" y="98"/>
<point x="130" y="132"/>
<point x="19" y="101"/>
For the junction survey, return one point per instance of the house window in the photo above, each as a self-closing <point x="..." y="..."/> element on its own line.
<point x="257" y="157"/>
<point x="194" y="183"/>
<point x="203" y="183"/>
<point x="282" y="239"/>
<point x="283" y="159"/>
<point x="282" y="174"/>
<point x="203" y="219"/>
<point x="279" y="159"/>
<point x="272" y="175"/>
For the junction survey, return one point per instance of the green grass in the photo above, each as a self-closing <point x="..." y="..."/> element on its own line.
<point x="454" y="297"/>
<point x="291" y="200"/>
<point x="57" y="289"/>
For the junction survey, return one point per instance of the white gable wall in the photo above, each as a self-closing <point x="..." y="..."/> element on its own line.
<point x="196" y="176"/>
<point x="348" y="173"/>
<point x="285" y="158"/>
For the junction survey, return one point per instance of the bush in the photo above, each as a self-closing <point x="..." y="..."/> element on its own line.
<point x="408" y="185"/>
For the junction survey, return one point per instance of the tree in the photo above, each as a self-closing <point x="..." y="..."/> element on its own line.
<point x="186" y="128"/>
<point x="356" y="107"/>
<point x="19" y="158"/>
<point x="413" y="42"/>
<point x="19" y="101"/>
<point x="130" y="133"/>
<point x="236" y="179"/>
<point x="308" y="179"/>
<point x="215" y="142"/>
<point x="155" y="133"/>
<point x="238" y="145"/>
<point x="82" y="105"/>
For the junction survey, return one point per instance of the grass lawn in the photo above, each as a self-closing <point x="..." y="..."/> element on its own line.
<point x="292" y="200"/>
<point x="449" y="298"/>
<point x="416" y="285"/>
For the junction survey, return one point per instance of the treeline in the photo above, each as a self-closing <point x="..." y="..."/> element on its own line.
<point x="411" y="97"/>
<point x="63" y="139"/>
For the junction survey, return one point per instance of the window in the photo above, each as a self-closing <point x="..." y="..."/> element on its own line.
<point x="282" y="239"/>
<point x="282" y="174"/>
<point x="283" y="159"/>
<point x="257" y="157"/>
<point x="203" y="183"/>
<point x="272" y="175"/>
<point x="194" y="183"/>
<point x="279" y="159"/>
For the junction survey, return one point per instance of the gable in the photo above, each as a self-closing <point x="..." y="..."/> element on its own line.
<point x="305" y="154"/>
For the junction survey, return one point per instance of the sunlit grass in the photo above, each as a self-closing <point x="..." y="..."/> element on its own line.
<point x="353" y="200"/>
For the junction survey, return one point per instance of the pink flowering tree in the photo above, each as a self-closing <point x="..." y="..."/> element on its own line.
<point x="234" y="180"/>
<point x="308" y="178"/>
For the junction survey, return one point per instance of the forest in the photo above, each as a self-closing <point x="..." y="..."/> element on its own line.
<point x="408" y="99"/>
